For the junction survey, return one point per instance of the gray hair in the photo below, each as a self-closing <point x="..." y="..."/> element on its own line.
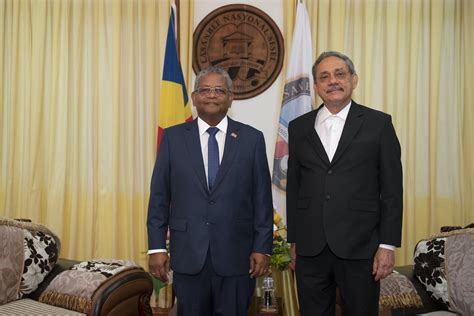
<point x="213" y="70"/>
<point x="339" y="55"/>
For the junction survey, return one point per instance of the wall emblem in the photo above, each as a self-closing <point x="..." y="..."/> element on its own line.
<point x="243" y="40"/>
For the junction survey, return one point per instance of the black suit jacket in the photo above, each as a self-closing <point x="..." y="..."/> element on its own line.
<point x="233" y="220"/>
<point x="353" y="203"/>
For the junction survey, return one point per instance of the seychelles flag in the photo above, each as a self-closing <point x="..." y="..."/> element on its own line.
<point x="174" y="101"/>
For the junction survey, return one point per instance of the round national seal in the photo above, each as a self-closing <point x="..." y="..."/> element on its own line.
<point x="243" y="40"/>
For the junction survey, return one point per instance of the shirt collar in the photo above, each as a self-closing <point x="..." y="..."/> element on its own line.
<point x="324" y="113"/>
<point x="203" y="126"/>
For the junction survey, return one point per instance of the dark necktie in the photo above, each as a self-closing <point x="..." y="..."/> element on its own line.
<point x="212" y="156"/>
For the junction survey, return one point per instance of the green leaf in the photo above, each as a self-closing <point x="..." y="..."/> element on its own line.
<point x="157" y="285"/>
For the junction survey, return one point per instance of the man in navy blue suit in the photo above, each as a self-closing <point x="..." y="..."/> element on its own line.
<point x="211" y="186"/>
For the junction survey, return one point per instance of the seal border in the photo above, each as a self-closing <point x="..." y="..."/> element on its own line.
<point x="278" y="38"/>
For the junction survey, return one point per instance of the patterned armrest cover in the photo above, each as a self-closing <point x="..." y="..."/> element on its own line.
<point x="76" y="288"/>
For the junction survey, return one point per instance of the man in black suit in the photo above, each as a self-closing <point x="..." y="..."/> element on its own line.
<point x="344" y="196"/>
<point x="211" y="186"/>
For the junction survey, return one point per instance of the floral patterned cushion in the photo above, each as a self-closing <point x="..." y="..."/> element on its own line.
<point x="429" y="268"/>
<point x="444" y="264"/>
<point x="41" y="254"/>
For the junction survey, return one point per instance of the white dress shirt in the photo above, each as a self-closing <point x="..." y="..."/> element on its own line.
<point x="204" y="137"/>
<point x="329" y="128"/>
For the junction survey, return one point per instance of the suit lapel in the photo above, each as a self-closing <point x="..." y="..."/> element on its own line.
<point x="193" y="143"/>
<point x="354" y="121"/>
<point x="313" y="136"/>
<point x="230" y="149"/>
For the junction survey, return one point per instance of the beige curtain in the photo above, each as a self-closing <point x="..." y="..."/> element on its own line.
<point x="79" y="91"/>
<point x="414" y="60"/>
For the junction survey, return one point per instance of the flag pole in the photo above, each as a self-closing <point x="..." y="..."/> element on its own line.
<point x="177" y="16"/>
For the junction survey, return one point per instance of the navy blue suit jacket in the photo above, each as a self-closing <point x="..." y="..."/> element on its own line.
<point x="233" y="220"/>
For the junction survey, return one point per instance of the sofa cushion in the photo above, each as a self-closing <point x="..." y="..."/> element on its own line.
<point x="429" y="268"/>
<point x="460" y="271"/>
<point x="28" y="252"/>
<point x="29" y="307"/>
<point x="41" y="254"/>
<point x="11" y="262"/>
<point x="444" y="264"/>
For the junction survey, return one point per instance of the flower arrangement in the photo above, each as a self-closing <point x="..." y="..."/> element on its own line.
<point x="280" y="258"/>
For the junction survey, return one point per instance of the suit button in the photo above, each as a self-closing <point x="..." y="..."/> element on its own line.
<point x="329" y="171"/>
<point x="207" y="223"/>
<point x="328" y="196"/>
<point x="212" y="202"/>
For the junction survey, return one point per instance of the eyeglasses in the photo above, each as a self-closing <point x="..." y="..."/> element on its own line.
<point x="339" y="75"/>
<point x="208" y="90"/>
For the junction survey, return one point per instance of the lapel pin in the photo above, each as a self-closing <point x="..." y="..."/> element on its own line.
<point x="233" y="135"/>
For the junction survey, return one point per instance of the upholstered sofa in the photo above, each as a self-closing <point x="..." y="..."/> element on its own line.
<point x="429" y="305"/>
<point x="55" y="286"/>
<point x="442" y="274"/>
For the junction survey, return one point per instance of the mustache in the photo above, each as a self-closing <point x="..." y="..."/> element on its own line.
<point x="335" y="87"/>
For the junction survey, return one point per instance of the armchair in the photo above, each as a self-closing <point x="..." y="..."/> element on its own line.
<point x="106" y="287"/>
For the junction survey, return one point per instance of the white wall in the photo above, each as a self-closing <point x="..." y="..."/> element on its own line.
<point x="262" y="111"/>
